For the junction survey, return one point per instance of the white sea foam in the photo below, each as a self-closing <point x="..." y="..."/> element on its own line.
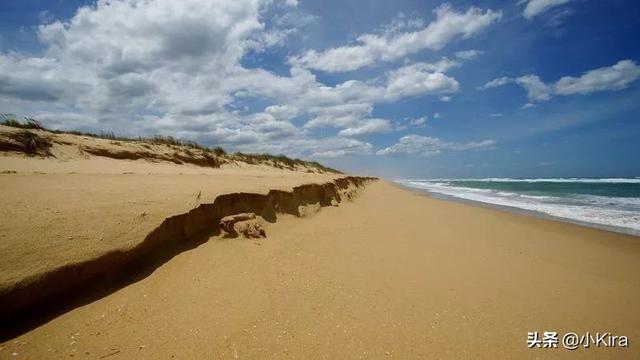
<point x="539" y="180"/>
<point x="618" y="212"/>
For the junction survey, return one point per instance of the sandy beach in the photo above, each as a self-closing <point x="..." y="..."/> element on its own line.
<point x="52" y="218"/>
<point x="310" y="179"/>
<point x="392" y="274"/>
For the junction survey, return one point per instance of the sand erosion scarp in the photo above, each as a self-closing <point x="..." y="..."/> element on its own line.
<point x="175" y="234"/>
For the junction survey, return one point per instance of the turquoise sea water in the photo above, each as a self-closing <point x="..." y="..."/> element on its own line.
<point x="612" y="203"/>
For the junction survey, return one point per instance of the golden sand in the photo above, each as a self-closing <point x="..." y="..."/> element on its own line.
<point x="392" y="274"/>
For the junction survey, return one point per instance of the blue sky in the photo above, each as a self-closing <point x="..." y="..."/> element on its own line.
<point x="537" y="88"/>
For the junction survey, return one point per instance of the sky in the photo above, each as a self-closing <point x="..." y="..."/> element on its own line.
<point x="400" y="89"/>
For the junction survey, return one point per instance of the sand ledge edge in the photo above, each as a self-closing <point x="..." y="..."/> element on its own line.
<point x="175" y="234"/>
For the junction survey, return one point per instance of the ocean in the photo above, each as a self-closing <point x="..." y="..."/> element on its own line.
<point x="609" y="203"/>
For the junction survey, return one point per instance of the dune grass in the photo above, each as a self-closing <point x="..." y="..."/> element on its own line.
<point x="11" y="120"/>
<point x="281" y="161"/>
<point x="39" y="145"/>
<point x="31" y="143"/>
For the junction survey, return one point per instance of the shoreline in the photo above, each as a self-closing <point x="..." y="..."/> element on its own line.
<point x="519" y="211"/>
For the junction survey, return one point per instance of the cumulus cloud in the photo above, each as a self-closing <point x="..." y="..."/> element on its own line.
<point x="536" y="7"/>
<point x="160" y="66"/>
<point x="371" y="48"/>
<point x="353" y="119"/>
<point x="417" y="79"/>
<point x="611" y="78"/>
<point x="339" y="115"/>
<point x="367" y="126"/>
<point x="536" y="89"/>
<point x="423" y="78"/>
<point x="425" y="146"/>
<point x="616" y="77"/>
<point x="418" y="122"/>
<point x="468" y="54"/>
<point x="140" y="67"/>
<point x="144" y="52"/>
<point x="347" y="105"/>
<point x="332" y="147"/>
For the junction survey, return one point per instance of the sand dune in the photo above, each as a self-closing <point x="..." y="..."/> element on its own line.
<point x="68" y="205"/>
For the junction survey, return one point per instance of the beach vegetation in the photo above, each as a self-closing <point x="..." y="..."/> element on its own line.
<point x="36" y="144"/>
<point x="31" y="143"/>
<point x="8" y="119"/>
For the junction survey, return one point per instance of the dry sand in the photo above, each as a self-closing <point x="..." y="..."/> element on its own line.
<point x="72" y="205"/>
<point x="392" y="274"/>
<point x="48" y="219"/>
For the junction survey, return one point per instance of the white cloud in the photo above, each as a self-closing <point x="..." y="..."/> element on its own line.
<point x="558" y="17"/>
<point x="340" y="116"/>
<point x="437" y="116"/>
<point x="496" y="82"/>
<point x="285" y="112"/>
<point x="419" y="122"/>
<point x="294" y="19"/>
<point x="131" y="55"/>
<point x="367" y="126"/>
<point x="442" y="65"/>
<point x="422" y="78"/>
<point x="537" y="7"/>
<point x="536" y="89"/>
<point x="417" y="79"/>
<point x="338" y="147"/>
<point x="347" y="105"/>
<point x="425" y="146"/>
<point x="371" y="48"/>
<point x="616" y="77"/>
<point x="353" y="119"/>
<point x="140" y="67"/>
<point x="331" y="147"/>
<point x="612" y="78"/>
<point x="468" y="54"/>
<point x="283" y="27"/>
